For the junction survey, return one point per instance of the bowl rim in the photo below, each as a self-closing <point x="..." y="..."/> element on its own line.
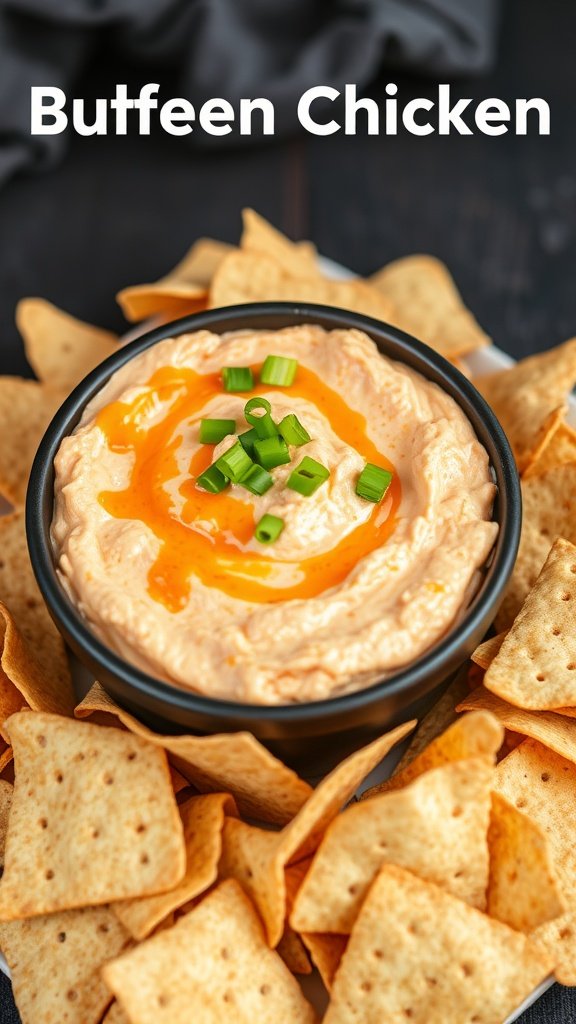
<point x="40" y="500"/>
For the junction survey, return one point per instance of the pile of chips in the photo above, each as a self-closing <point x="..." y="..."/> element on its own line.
<point x="150" y="878"/>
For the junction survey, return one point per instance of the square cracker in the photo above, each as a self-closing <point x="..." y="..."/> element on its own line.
<point x="202" y="822"/>
<point x="435" y="827"/>
<point x="419" y="954"/>
<point x="535" y="667"/>
<point x="214" y="959"/>
<point x="94" y="818"/>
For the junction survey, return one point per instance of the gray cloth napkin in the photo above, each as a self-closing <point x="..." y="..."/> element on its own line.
<point x="228" y="48"/>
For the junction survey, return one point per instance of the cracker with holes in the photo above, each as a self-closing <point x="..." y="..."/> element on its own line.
<point x="535" y="667"/>
<point x="436" y="827"/>
<point x="215" y="963"/>
<point x="542" y="785"/>
<point x="418" y="954"/>
<point x="93" y="820"/>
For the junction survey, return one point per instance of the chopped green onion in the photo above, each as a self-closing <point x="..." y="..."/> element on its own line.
<point x="235" y="463"/>
<point x="214" y="431"/>
<point x="247" y="440"/>
<point x="278" y="370"/>
<point x="269" y="529"/>
<point x="263" y="424"/>
<point x="307" y="477"/>
<point x="292" y="430"/>
<point x="257" y="480"/>
<point x="271" y="451"/>
<point x="212" y="480"/>
<point x="237" y="378"/>
<point x="373" y="482"/>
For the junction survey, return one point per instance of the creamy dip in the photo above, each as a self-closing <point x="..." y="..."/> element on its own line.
<point x="172" y="577"/>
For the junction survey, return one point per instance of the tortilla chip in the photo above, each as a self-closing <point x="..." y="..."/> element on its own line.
<point x="252" y="277"/>
<point x="55" y="964"/>
<point x="428" y="305"/>
<point x="235" y="763"/>
<point x="530" y="398"/>
<point x="542" y="785"/>
<point x="202" y="822"/>
<point x="484" y="654"/>
<point x="257" y="858"/>
<point x="471" y="736"/>
<point x="535" y="667"/>
<point x="559" y="450"/>
<point x="94" y="818"/>
<point x="6" y="795"/>
<point x="216" y="959"/>
<point x="553" y="730"/>
<point x="258" y="236"/>
<point x="436" y="827"/>
<point x="523" y="891"/>
<point x="34" y="657"/>
<point x="61" y="349"/>
<point x="548" y="513"/>
<point x="326" y="952"/>
<point x="291" y="947"/>
<point x="418" y="953"/>
<point x="26" y="409"/>
<point x="184" y="290"/>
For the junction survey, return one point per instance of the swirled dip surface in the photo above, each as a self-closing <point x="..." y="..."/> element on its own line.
<point x="172" y="578"/>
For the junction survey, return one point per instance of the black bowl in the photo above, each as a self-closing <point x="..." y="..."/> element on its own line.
<point x="320" y="731"/>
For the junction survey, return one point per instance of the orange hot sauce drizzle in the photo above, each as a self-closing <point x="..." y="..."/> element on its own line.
<point x="208" y="538"/>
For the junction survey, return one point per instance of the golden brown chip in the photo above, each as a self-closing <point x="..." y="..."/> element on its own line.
<point x="258" y="236"/>
<point x="548" y="513"/>
<point x="252" y="277"/>
<point x="291" y="947"/>
<point x="435" y="722"/>
<point x="326" y="952"/>
<point x="55" y="963"/>
<point x="61" y="349"/>
<point x="428" y="305"/>
<point x="26" y="408"/>
<point x="436" y="827"/>
<point x="202" y="822"/>
<point x="471" y="736"/>
<point x="484" y="654"/>
<point x="34" y="657"/>
<point x="94" y="818"/>
<point x="257" y="858"/>
<point x="183" y="290"/>
<point x="235" y="763"/>
<point x="523" y="891"/>
<point x="542" y="785"/>
<point x="535" y="667"/>
<point x="215" y="959"/>
<point x="6" y="794"/>
<point x="553" y="730"/>
<point x="419" y="954"/>
<point x="530" y="398"/>
<point x="559" y="449"/>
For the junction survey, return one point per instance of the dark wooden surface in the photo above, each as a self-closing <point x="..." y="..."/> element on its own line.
<point x="500" y="211"/>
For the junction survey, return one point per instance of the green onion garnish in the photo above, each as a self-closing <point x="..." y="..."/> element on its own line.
<point x="212" y="480"/>
<point x="373" y="482"/>
<point x="263" y="424"/>
<point x="235" y="463"/>
<point x="214" y="431"/>
<point x="271" y="451"/>
<point x="278" y="370"/>
<point x="247" y="440"/>
<point x="237" y="378"/>
<point x="292" y="430"/>
<point x="268" y="529"/>
<point x="257" y="480"/>
<point x="307" y="477"/>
